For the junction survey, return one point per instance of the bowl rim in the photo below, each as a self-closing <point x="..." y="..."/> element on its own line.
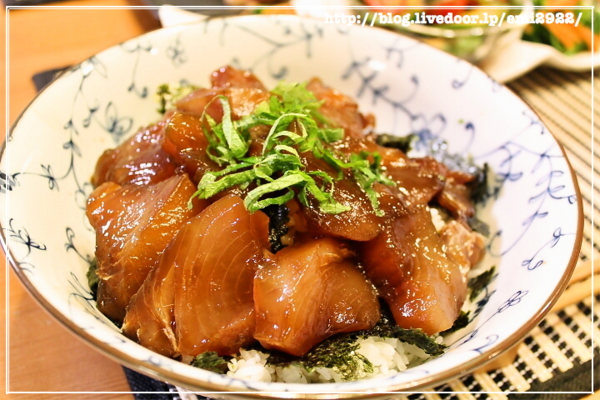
<point x="153" y="371"/>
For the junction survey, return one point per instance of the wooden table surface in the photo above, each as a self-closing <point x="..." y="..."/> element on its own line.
<point x="42" y="355"/>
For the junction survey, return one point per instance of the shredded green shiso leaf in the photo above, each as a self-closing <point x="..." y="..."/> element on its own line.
<point x="278" y="172"/>
<point x="168" y="94"/>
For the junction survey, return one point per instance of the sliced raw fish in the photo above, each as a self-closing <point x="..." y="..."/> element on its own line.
<point x="358" y="223"/>
<point x="417" y="180"/>
<point x="140" y="160"/>
<point x="150" y="318"/>
<point x="186" y="143"/>
<point x="464" y="245"/>
<point x="407" y="263"/>
<point x="456" y="198"/>
<point x="134" y="224"/>
<point x="241" y="100"/>
<point x="217" y="255"/>
<point x="340" y="110"/>
<point x="308" y="292"/>
<point x="228" y="76"/>
<point x="242" y="89"/>
<point x="199" y="298"/>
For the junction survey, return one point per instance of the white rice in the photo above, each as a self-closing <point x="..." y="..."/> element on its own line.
<point x="388" y="357"/>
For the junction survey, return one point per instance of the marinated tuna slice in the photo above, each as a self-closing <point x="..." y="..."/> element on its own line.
<point x="340" y="110"/>
<point x="241" y="100"/>
<point x="408" y="265"/>
<point x="140" y="160"/>
<point x="359" y="223"/>
<point x="150" y="318"/>
<point x="367" y="143"/>
<point x="134" y="224"/>
<point x="186" y="143"/>
<point x="216" y="257"/>
<point x="308" y="292"/>
<point x="418" y="179"/>
<point x="456" y="198"/>
<point x="243" y="90"/>
<point x="199" y="297"/>
<point x="463" y="245"/>
<point x="197" y="102"/>
<point x="231" y="77"/>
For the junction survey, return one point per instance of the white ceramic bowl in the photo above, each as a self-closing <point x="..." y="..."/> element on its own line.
<point x="536" y="216"/>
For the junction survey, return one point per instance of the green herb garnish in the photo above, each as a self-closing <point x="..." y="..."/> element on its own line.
<point x="168" y="94"/>
<point x="366" y="174"/>
<point x="279" y="174"/>
<point x="210" y="361"/>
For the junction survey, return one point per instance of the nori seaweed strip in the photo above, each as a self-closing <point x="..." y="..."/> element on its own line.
<point x="93" y="278"/>
<point x="461" y="322"/>
<point x="403" y="143"/>
<point x="338" y="352"/>
<point x="415" y="337"/>
<point x="211" y="361"/>
<point x="276" y="357"/>
<point x="278" y="218"/>
<point x="480" y="282"/>
<point x="479" y="226"/>
<point x="479" y="186"/>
